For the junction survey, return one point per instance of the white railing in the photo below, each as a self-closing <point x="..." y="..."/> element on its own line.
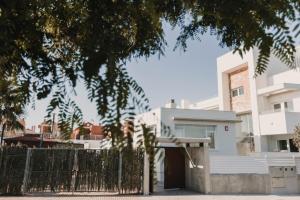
<point x="236" y="165"/>
<point x="297" y="162"/>
<point x="278" y="122"/>
<point x="254" y="164"/>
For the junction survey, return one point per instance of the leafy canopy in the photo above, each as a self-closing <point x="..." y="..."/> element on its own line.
<point x="296" y="136"/>
<point x="48" y="46"/>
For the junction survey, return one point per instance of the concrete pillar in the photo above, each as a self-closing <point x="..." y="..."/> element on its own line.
<point x="146" y="183"/>
<point x="206" y="168"/>
<point x="120" y="172"/>
<point x="26" y="171"/>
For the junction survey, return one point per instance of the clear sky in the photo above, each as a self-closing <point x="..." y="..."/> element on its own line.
<point x="180" y="75"/>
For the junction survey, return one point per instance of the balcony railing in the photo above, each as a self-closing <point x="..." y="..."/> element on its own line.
<point x="281" y="122"/>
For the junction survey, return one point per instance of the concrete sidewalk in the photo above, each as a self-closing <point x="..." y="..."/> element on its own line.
<point x="173" y="195"/>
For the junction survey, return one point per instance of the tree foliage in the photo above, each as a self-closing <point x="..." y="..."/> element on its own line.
<point x="47" y="47"/>
<point x="296" y="137"/>
<point x="11" y="105"/>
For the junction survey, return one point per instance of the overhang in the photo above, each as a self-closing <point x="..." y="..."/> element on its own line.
<point x="182" y="140"/>
<point x="206" y="120"/>
<point x="278" y="88"/>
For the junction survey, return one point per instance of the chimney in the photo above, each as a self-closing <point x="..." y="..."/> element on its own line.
<point x="171" y="104"/>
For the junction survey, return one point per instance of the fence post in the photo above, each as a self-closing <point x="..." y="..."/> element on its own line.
<point x="206" y="164"/>
<point x="26" y="170"/>
<point x="120" y="171"/>
<point x="146" y="180"/>
<point x="74" y="170"/>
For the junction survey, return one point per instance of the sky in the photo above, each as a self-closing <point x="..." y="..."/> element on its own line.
<point x="190" y="75"/>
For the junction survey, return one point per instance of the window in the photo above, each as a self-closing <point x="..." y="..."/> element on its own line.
<point x="277" y="107"/>
<point x="237" y="91"/>
<point x="211" y="135"/>
<point x="288" y="106"/>
<point x="196" y="131"/>
<point x="282" y="145"/>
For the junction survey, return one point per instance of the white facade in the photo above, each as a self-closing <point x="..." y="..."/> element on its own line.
<point x="267" y="104"/>
<point x="194" y="123"/>
<point x="189" y="125"/>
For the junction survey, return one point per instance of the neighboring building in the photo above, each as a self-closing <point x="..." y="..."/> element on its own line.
<point x="90" y="136"/>
<point x="268" y="104"/>
<point x="34" y="140"/>
<point x="15" y="132"/>
<point x="49" y="129"/>
<point x="90" y="132"/>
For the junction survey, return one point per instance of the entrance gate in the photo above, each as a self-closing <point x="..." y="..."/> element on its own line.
<point x="174" y="168"/>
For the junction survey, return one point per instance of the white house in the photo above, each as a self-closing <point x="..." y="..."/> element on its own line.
<point x="219" y="126"/>
<point x="268" y="104"/>
<point x="190" y="126"/>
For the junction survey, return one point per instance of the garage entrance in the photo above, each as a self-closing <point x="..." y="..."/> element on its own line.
<point x="174" y="165"/>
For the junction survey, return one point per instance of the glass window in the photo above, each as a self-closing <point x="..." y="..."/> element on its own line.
<point x="211" y="135"/>
<point x="179" y="131"/>
<point x="196" y="131"/>
<point x="237" y="91"/>
<point x="282" y="145"/>
<point x="241" y="91"/>
<point x="277" y="107"/>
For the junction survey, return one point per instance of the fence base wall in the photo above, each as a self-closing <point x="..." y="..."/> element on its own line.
<point x="240" y="183"/>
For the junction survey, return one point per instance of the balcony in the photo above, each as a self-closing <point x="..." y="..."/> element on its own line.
<point x="282" y="122"/>
<point x="278" y="89"/>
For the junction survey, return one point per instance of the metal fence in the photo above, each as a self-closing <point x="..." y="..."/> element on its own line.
<point x="70" y="170"/>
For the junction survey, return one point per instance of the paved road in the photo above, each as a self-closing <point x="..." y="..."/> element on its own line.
<point x="180" y="195"/>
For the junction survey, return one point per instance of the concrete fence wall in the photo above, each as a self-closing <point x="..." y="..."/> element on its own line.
<point x="197" y="176"/>
<point x="257" y="174"/>
<point x="240" y="183"/>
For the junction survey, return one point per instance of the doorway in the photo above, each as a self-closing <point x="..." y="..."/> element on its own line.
<point x="174" y="165"/>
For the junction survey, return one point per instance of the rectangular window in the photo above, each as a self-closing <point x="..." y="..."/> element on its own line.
<point x="237" y="91"/>
<point x="282" y="145"/>
<point x="288" y="106"/>
<point x="277" y="107"/>
<point x="196" y="131"/>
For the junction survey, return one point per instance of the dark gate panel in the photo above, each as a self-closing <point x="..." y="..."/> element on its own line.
<point x="174" y="168"/>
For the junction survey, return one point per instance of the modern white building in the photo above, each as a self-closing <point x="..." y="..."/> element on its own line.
<point x="268" y="105"/>
<point x="178" y="122"/>
<point x="251" y="113"/>
<point x="188" y="125"/>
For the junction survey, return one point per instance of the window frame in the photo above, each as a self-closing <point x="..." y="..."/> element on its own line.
<point x="236" y="92"/>
<point x="207" y="132"/>
<point x="279" y="145"/>
<point x="277" y="109"/>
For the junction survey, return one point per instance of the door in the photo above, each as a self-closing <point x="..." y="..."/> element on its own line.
<point x="174" y="168"/>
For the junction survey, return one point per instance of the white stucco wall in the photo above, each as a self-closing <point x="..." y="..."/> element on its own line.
<point x="224" y="140"/>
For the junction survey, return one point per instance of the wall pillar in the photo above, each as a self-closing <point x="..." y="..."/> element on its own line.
<point x="206" y="168"/>
<point x="146" y="181"/>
